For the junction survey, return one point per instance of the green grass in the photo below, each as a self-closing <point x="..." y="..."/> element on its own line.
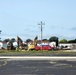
<point x="35" y="52"/>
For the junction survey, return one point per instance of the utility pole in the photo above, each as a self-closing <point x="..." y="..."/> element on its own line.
<point x="41" y="23"/>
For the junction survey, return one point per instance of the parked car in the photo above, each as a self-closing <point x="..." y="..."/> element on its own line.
<point x="44" y="47"/>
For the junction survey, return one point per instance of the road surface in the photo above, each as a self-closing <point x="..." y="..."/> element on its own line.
<point x="38" y="66"/>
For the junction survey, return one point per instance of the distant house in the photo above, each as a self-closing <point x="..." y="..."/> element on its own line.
<point x="46" y="42"/>
<point x="68" y="45"/>
<point x="15" y="44"/>
<point x="52" y="44"/>
<point x="3" y="45"/>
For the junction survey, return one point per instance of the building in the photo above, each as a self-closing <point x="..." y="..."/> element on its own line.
<point x="3" y="45"/>
<point x="67" y="45"/>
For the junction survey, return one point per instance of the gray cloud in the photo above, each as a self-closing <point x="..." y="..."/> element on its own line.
<point x="56" y="27"/>
<point x="73" y="28"/>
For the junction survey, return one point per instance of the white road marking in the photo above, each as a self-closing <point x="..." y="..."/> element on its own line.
<point x="39" y="58"/>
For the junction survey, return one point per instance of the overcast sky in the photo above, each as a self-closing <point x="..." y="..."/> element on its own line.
<point x="21" y="18"/>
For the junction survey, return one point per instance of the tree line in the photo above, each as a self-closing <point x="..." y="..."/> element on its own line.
<point x="51" y="39"/>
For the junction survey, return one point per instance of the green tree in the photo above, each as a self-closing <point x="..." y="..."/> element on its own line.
<point x="63" y="41"/>
<point x="13" y="40"/>
<point x="6" y="40"/>
<point x="55" y="39"/>
<point x="44" y="40"/>
<point x="72" y="41"/>
<point x="28" y="40"/>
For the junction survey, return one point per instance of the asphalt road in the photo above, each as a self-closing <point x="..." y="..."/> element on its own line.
<point x="37" y="67"/>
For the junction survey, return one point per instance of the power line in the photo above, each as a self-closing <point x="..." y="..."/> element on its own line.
<point x="41" y="23"/>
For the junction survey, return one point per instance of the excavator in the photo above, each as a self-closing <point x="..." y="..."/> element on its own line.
<point x="21" y="45"/>
<point x="32" y="45"/>
<point x="29" y="46"/>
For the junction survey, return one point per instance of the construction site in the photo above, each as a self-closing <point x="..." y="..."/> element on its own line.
<point x="31" y="45"/>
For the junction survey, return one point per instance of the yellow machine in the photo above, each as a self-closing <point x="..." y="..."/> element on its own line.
<point x="32" y="45"/>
